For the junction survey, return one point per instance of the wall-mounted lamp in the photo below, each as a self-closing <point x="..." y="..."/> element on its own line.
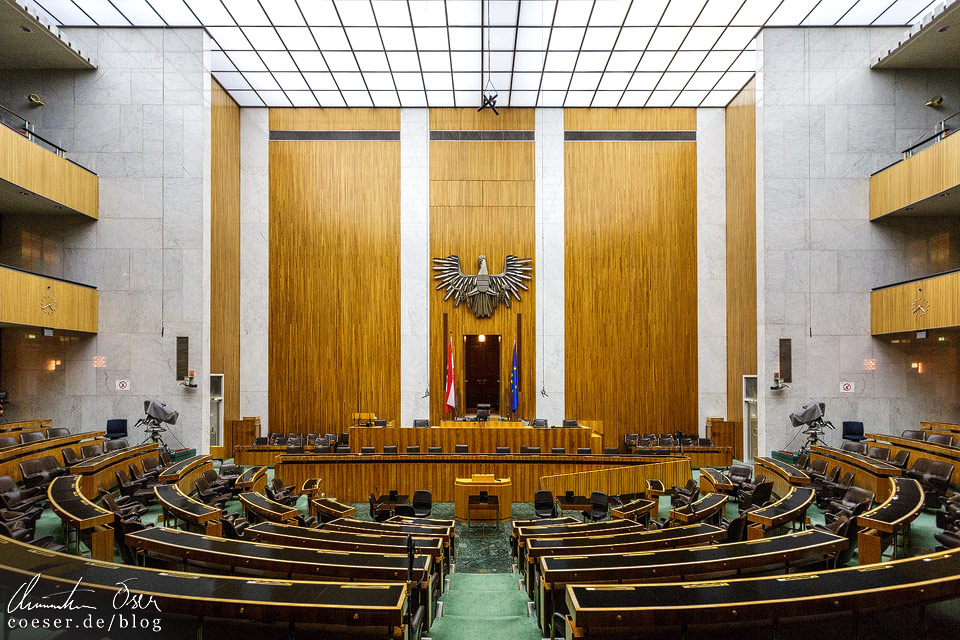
<point x="35" y="100"/>
<point x="935" y="102"/>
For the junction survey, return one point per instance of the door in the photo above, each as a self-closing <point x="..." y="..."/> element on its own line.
<point x="750" y="413"/>
<point x="481" y="379"/>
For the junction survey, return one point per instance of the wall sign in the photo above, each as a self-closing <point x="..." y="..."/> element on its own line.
<point x="846" y="387"/>
<point x="123" y="385"/>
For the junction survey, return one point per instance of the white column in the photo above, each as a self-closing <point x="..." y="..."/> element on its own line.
<point x="549" y="266"/>
<point x="254" y="263"/>
<point x="414" y="265"/>
<point x="711" y="266"/>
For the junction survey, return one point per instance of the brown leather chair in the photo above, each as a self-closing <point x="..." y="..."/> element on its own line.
<point x="151" y="468"/>
<point x="599" y="507"/>
<point x="854" y="446"/>
<point x="831" y="477"/>
<point x="757" y="497"/>
<point x="913" y="434"/>
<point x="834" y="490"/>
<point x="90" y="451"/>
<point x="934" y="476"/>
<point x="855" y="501"/>
<point x="879" y="453"/>
<point x="817" y="470"/>
<point x="124" y="506"/>
<point x="422" y="503"/>
<point x="739" y="474"/>
<point x="57" y="432"/>
<point x="233" y="527"/>
<point x="16" y="499"/>
<point x="40" y="472"/>
<point x="214" y="480"/>
<point x="133" y="489"/>
<point x="115" y="445"/>
<point x="900" y="460"/>
<point x="165" y="459"/>
<point x="145" y="481"/>
<point x="8" y="441"/>
<point x="70" y="457"/>
<point x="680" y="496"/>
<point x="940" y="438"/>
<point x="544" y="505"/>
<point x="33" y="436"/>
<point x="209" y="495"/>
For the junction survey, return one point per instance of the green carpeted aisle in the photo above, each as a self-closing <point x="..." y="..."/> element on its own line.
<point x="484" y="605"/>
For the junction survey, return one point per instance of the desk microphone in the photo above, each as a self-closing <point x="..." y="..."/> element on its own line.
<point x="410" y="549"/>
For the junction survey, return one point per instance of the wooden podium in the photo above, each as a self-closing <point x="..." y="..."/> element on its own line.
<point x="466" y="487"/>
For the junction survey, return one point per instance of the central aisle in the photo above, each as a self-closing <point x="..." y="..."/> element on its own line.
<point x="484" y="605"/>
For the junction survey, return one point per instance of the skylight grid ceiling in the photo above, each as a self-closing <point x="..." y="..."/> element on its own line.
<point x="418" y="53"/>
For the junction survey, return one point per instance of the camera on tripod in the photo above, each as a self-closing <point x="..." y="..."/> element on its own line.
<point x="156" y="414"/>
<point x="811" y="417"/>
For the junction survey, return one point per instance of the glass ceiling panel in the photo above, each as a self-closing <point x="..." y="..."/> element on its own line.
<point x="441" y="53"/>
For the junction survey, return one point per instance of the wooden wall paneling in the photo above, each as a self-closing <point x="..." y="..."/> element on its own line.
<point x="352" y="478"/>
<point x="892" y="308"/>
<point x="482" y="440"/>
<point x="652" y="119"/>
<point x="32" y="168"/>
<point x="352" y="119"/>
<point x="225" y="253"/>
<point x="76" y="306"/>
<point x="334" y="282"/>
<point x="630" y="285"/>
<point x="741" y="165"/>
<point x="471" y="120"/>
<point x="482" y="202"/>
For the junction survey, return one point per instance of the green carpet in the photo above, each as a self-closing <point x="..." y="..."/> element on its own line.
<point x="488" y="606"/>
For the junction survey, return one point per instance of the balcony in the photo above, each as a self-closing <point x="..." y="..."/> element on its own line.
<point x="36" y="178"/>
<point x="40" y="301"/>
<point x="916" y="305"/>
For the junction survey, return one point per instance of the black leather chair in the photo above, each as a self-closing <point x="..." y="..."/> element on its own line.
<point x="817" y="469"/>
<point x="934" y="476"/>
<point x="583" y="451"/>
<point x="666" y="441"/>
<point x="413" y="449"/>
<point x="834" y="490"/>
<point x="948" y="539"/>
<point x="503" y="450"/>
<point x="230" y="473"/>
<point x="132" y="489"/>
<point x="405" y="510"/>
<point x="390" y="450"/>
<point x="630" y="441"/>
<point x="940" y="438"/>
<point x="367" y="451"/>
<point x="342" y="449"/>
<point x="422" y="503"/>
<point x="559" y="451"/>
<point x="233" y="527"/>
<point x="421" y="423"/>
<point x="736" y="528"/>
<point x="16" y="499"/>
<point x="294" y="449"/>
<point x="832" y="476"/>
<point x="853" y="430"/>
<point x="435" y="450"/>
<point x="705" y="442"/>
<point x="57" y="432"/>
<point x="146" y="481"/>
<point x="599" y="507"/>
<point x="529" y="450"/>
<point x="610" y="451"/>
<point x="375" y="514"/>
<point x="8" y="441"/>
<point x="461" y="448"/>
<point x="913" y="434"/>
<point x="33" y="436"/>
<point x="544" y="505"/>
<point x="280" y="488"/>
<point x="684" y="495"/>
<point x="379" y="423"/>
<point x="854" y="446"/>
<point x="879" y="453"/>
<point x="570" y="423"/>
<point x="124" y="505"/>
<point x="539" y="423"/>
<point x="949" y="518"/>
<point x="214" y="480"/>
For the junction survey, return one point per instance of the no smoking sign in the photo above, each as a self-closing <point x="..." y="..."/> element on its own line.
<point x="123" y="385"/>
<point x="846" y="387"/>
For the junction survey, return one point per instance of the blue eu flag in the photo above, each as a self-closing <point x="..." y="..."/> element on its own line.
<point x="514" y="382"/>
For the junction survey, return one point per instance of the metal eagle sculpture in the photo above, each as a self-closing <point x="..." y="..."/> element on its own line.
<point x="483" y="292"/>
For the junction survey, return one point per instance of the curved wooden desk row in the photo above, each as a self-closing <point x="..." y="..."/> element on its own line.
<point x="99" y="471"/>
<point x="783" y="474"/>
<point x="185" y="600"/>
<point x="700" y="456"/>
<point x="11" y="457"/>
<point x="446" y="534"/>
<point x="24" y="426"/>
<point x="713" y="481"/>
<point x="792" y="507"/>
<point x="428" y="522"/>
<point x="708" y="507"/>
<point x="601" y="611"/>
<point x="480" y="440"/>
<point x="869" y="473"/>
<point x="178" y="505"/>
<point x="252" y="479"/>
<point x="327" y="509"/>
<point x="186" y="472"/>
<point x="921" y="449"/>
<point x="257" y="504"/>
<point x="83" y="516"/>
<point x="941" y="426"/>
<point x="889" y="520"/>
<point x="638" y="510"/>
<point x="349" y="477"/>
<point x="772" y="554"/>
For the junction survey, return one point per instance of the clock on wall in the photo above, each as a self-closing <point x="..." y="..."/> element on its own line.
<point x="48" y="304"/>
<point x="920" y="307"/>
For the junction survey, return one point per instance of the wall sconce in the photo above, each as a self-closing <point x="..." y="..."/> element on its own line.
<point x="935" y="102"/>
